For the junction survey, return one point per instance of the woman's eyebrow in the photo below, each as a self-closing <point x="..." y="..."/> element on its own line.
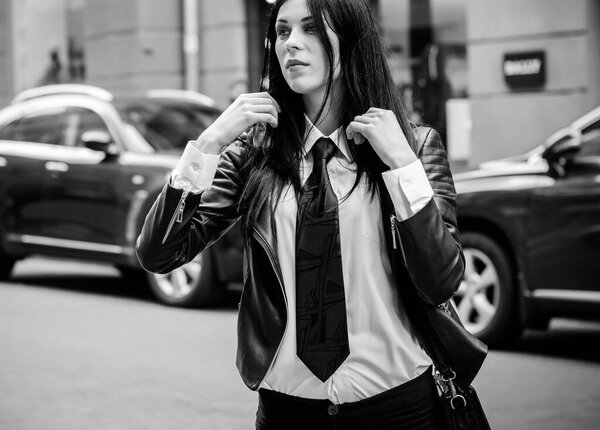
<point x="306" y="18"/>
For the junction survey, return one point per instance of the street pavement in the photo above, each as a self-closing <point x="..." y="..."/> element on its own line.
<point x="80" y="348"/>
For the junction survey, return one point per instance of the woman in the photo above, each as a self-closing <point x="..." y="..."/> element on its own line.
<point x="347" y="212"/>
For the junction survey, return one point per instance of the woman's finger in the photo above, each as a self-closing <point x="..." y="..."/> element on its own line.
<point x="266" y="95"/>
<point x="372" y="115"/>
<point x="363" y="119"/>
<point x="359" y="139"/>
<point x="260" y="104"/>
<point x="356" y="132"/>
<point x="374" y="110"/>
<point x="265" y="108"/>
<point x="263" y="117"/>
<point x="275" y="102"/>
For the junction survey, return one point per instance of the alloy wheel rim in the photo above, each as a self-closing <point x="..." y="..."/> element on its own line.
<point x="181" y="282"/>
<point x="478" y="296"/>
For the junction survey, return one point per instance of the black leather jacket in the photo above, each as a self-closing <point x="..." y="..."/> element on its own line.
<point x="424" y="250"/>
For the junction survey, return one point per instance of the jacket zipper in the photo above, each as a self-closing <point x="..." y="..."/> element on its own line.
<point x="178" y="215"/>
<point x="396" y="240"/>
<point x="393" y="230"/>
<point x="270" y="255"/>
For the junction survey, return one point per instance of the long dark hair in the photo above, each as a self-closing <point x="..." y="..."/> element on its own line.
<point x="275" y="153"/>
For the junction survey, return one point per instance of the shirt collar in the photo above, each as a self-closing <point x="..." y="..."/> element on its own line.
<point x="313" y="134"/>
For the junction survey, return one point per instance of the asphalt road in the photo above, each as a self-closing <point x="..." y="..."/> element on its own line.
<point x="80" y="348"/>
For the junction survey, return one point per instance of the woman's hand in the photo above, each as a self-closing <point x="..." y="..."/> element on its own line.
<point x="380" y="127"/>
<point x="244" y="112"/>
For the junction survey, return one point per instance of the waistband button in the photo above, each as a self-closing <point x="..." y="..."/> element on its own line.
<point x="332" y="409"/>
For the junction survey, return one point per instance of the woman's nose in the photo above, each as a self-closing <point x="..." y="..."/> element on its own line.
<point x="293" y="41"/>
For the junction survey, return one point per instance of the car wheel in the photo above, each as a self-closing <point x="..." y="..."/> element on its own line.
<point x="486" y="300"/>
<point x="191" y="285"/>
<point x="6" y="265"/>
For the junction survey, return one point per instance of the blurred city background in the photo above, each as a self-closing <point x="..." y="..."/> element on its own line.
<point x="451" y="57"/>
<point x="98" y="99"/>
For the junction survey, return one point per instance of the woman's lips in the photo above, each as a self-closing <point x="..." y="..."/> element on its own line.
<point x="295" y="64"/>
<point x="296" y="67"/>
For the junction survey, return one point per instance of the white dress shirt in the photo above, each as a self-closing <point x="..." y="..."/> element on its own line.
<point x="383" y="351"/>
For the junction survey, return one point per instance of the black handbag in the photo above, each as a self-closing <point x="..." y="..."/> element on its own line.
<point x="460" y="404"/>
<point x="450" y="344"/>
<point x="462" y="409"/>
<point x="443" y="336"/>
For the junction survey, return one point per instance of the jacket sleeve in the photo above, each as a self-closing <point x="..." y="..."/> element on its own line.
<point x="429" y="239"/>
<point x="180" y="225"/>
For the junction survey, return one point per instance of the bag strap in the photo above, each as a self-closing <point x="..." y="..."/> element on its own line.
<point x="437" y="356"/>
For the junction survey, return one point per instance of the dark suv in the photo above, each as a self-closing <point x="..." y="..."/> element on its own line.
<point x="530" y="227"/>
<point x="79" y="169"/>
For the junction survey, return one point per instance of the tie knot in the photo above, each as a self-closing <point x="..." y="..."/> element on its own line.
<point x="324" y="148"/>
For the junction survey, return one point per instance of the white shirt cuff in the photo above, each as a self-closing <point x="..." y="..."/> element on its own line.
<point x="409" y="189"/>
<point x="195" y="170"/>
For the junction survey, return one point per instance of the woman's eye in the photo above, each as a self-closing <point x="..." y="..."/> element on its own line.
<point x="310" y="28"/>
<point x="282" y="31"/>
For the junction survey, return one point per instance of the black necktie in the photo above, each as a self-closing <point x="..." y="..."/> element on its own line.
<point x="321" y="328"/>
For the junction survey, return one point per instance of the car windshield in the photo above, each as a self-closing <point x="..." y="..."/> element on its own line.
<point x="167" y="124"/>
<point x="590" y="137"/>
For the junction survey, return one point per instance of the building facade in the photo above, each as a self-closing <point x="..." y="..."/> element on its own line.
<point x="510" y="119"/>
<point x="496" y="77"/>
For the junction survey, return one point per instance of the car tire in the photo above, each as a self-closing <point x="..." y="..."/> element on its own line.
<point x="6" y="265"/>
<point x="487" y="299"/>
<point x="192" y="285"/>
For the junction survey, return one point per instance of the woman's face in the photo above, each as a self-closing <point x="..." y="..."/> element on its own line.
<point x="301" y="55"/>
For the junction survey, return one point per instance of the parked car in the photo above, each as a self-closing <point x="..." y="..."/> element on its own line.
<point x="530" y="227"/>
<point x="79" y="169"/>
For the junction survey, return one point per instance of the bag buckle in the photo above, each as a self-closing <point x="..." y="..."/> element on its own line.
<point x="451" y="386"/>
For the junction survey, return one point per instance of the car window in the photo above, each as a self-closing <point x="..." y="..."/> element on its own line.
<point x="46" y="126"/>
<point x="167" y="125"/>
<point x="7" y="132"/>
<point x="590" y="146"/>
<point x="79" y="120"/>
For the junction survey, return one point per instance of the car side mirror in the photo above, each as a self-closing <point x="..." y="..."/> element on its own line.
<point x="99" y="140"/>
<point x="560" y="152"/>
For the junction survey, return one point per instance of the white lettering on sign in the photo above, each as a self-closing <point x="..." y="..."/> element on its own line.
<point x="522" y="67"/>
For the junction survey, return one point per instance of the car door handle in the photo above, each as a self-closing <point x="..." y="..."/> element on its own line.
<point x="3" y="162"/>
<point x="57" y="166"/>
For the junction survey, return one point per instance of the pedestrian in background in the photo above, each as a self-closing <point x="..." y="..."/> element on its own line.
<point x="54" y="72"/>
<point x="344" y="206"/>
